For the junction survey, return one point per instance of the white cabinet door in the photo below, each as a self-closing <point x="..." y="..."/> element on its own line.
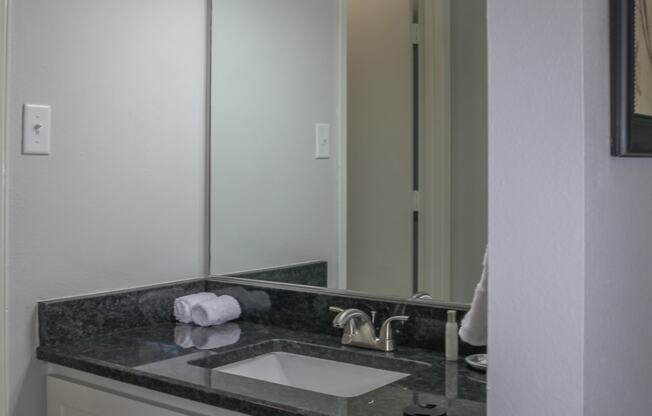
<point x="66" y="398"/>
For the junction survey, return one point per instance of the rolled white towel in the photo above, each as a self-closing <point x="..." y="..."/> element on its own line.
<point x="216" y="337"/>
<point x="474" y="325"/>
<point x="216" y="311"/>
<point x="183" y="336"/>
<point x="183" y="305"/>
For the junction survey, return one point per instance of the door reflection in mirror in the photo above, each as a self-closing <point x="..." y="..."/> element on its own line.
<point x="349" y="144"/>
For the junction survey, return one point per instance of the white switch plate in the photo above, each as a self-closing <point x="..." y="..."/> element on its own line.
<point x="36" y="129"/>
<point x="323" y="141"/>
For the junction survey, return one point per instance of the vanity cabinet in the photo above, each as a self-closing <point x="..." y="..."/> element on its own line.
<point x="66" y="398"/>
<point x="75" y="397"/>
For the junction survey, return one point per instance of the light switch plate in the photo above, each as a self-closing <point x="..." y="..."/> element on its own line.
<point x="36" y="129"/>
<point x="322" y="141"/>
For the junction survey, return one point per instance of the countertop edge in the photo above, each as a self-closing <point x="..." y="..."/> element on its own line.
<point x="172" y="387"/>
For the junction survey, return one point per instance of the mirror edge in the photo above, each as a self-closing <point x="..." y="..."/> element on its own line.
<point x="433" y="303"/>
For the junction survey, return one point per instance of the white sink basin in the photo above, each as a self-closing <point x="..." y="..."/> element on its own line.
<point x="315" y="374"/>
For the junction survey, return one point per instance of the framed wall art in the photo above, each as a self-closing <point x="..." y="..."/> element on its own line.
<point x="631" y="71"/>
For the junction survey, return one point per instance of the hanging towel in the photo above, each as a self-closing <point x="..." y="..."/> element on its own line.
<point x="474" y="325"/>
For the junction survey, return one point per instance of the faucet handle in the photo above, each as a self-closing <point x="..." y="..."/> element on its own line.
<point x="335" y="309"/>
<point x="386" y="332"/>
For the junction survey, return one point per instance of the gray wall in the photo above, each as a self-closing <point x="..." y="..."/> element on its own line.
<point x="536" y="208"/>
<point x="468" y="145"/>
<point x="619" y="247"/>
<point x="275" y="74"/>
<point x="120" y="202"/>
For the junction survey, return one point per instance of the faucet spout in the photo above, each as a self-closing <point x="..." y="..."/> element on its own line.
<point x="359" y="330"/>
<point x="347" y="315"/>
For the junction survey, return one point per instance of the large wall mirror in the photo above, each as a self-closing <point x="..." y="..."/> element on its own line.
<point x="349" y="144"/>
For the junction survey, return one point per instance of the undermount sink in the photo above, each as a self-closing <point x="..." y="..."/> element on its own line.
<point x="310" y="373"/>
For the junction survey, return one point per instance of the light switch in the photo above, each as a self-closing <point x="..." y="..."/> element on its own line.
<point x="323" y="141"/>
<point x="36" y="129"/>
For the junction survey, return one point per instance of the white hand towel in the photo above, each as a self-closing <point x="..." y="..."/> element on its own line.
<point x="216" y="311"/>
<point x="474" y="325"/>
<point x="183" y="305"/>
<point x="216" y="337"/>
<point x="183" y="336"/>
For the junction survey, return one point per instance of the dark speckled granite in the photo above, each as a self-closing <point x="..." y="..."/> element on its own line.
<point x="307" y="310"/>
<point x="129" y="336"/>
<point x="148" y="357"/>
<point x="70" y="319"/>
<point x="293" y="307"/>
<point x="309" y="274"/>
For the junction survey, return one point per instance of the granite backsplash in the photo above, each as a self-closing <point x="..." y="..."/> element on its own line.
<point x="295" y="308"/>
<point x="306" y="309"/>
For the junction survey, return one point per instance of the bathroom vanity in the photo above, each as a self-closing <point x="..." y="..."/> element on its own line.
<point x="347" y="217"/>
<point x="120" y="353"/>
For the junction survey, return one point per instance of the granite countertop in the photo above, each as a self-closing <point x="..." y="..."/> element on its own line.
<point x="150" y="357"/>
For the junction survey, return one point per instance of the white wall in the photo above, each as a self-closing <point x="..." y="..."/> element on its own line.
<point x="274" y="75"/>
<point x="120" y="202"/>
<point x="576" y="296"/>
<point x="619" y="244"/>
<point x="536" y="207"/>
<point x="468" y="145"/>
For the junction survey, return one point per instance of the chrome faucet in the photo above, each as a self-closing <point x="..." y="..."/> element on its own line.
<point x="359" y="330"/>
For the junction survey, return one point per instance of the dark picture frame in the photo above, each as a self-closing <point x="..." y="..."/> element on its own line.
<point x="631" y="132"/>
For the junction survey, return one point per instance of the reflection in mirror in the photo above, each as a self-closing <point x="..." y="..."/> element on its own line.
<point x="349" y="144"/>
